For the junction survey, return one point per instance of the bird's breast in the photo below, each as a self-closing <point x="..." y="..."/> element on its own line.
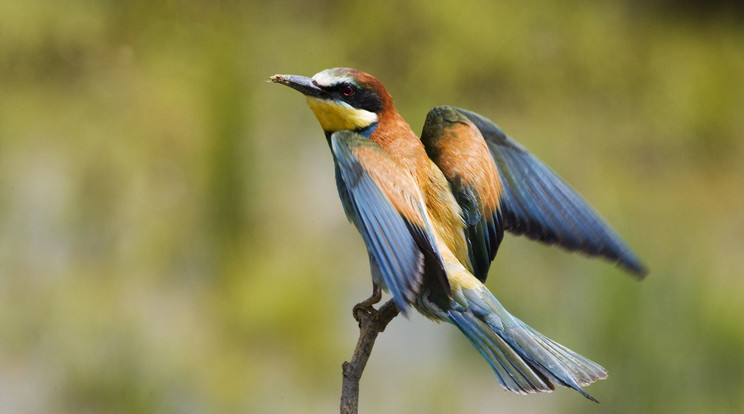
<point x="445" y="214"/>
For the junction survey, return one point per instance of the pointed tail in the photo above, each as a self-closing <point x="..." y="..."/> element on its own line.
<point x="523" y="359"/>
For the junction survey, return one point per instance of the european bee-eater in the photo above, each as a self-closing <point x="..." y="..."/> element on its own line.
<point x="432" y="213"/>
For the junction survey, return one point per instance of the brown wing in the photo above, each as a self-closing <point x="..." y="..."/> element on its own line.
<point x="457" y="147"/>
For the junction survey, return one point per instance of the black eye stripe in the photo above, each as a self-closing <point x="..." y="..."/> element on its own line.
<point x="359" y="97"/>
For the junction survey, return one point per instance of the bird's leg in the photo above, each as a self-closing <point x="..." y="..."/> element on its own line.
<point x="366" y="305"/>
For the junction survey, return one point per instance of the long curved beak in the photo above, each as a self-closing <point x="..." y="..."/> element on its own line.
<point x="302" y="84"/>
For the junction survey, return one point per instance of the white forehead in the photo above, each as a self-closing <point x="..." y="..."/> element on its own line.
<point x="329" y="77"/>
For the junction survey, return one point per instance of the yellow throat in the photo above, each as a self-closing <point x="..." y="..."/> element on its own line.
<point x="339" y="116"/>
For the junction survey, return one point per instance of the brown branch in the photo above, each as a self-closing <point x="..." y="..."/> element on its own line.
<point x="371" y="322"/>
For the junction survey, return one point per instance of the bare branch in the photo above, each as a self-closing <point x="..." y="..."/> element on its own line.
<point x="371" y="322"/>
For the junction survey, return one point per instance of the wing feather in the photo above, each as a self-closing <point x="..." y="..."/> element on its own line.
<point x="536" y="202"/>
<point x="385" y="206"/>
<point x="458" y="149"/>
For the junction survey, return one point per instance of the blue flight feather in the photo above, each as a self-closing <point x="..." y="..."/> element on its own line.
<point x="536" y="202"/>
<point x="400" y="250"/>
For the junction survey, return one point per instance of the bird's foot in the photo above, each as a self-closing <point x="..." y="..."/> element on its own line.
<point x="366" y="305"/>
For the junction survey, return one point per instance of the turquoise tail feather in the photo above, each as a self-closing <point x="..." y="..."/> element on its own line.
<point x="524" y="360"/>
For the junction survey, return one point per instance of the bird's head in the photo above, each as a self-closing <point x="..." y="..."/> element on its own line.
<point x="342" y="98"/>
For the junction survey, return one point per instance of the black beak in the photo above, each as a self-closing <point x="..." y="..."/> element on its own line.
<point x="302" y="84"/>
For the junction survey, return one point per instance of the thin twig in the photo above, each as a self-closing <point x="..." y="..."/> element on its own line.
<point x="371" y="322"/>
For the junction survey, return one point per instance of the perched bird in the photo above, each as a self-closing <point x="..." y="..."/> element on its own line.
<point x="432" y="213"/>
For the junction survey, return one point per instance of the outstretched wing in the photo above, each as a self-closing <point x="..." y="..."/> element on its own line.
<point x="458" y="149"/>
<point x="382" y="200"/>
<point x="536" y="202"/>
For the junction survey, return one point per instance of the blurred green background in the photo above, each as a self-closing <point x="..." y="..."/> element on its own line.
<point x="171" y="239"/>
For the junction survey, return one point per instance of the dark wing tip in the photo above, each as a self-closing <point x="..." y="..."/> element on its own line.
<point x="634" y="267"/>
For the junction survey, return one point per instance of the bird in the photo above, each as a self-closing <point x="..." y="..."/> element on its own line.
<point x="432" y="211"/>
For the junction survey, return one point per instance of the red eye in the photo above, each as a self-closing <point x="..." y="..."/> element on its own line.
<point x="347" y="90"/>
